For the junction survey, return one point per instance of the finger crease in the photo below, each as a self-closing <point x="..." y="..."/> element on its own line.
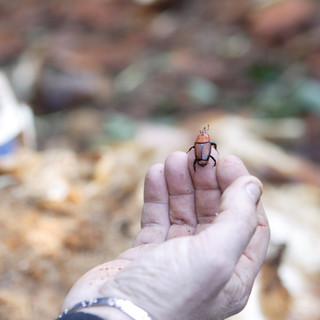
<point x="153" y="224"/>
<point x="181" y="194"/>
<point x="248" y="257"/>
<point x="156" y="202"/>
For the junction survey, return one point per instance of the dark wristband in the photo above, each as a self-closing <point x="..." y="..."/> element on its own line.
<point x="80" y="316"/>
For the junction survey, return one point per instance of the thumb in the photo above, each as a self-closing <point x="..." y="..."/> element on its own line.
<point x="237" y="217"/>
<point x="225" y="240"/>
<point x="241" y="197"/>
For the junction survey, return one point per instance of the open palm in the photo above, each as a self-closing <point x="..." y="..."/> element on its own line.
<point x="203" y="239"/>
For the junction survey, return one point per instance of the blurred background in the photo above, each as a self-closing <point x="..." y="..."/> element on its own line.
<point x="94" y="92"/>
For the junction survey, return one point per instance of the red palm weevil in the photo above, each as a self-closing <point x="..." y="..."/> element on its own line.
<point x="202" y="149"/>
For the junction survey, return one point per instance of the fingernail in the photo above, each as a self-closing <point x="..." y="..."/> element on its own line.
<point x="254" y="191"/>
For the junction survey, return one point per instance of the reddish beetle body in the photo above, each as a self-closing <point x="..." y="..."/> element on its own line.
<point x="202" y="149"/>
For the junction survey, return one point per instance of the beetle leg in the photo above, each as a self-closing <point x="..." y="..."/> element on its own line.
<point x="190" y="148"/>
<point x="214" y="160"/>
<point x="213" y="144"/>
<point x="194" y="165"/>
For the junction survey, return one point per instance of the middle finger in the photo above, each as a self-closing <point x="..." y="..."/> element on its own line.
<point x="207" y="189"/>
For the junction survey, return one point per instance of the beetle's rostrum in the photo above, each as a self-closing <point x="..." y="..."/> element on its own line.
<point x="202" y="149"/>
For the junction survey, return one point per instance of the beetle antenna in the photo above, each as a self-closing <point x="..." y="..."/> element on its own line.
<point x="205" y="129"/>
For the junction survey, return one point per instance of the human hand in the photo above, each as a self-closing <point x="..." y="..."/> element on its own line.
<point x="203" y="239"/>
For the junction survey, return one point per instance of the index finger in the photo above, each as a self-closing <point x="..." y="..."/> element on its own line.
<point x="181" y="195"/>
